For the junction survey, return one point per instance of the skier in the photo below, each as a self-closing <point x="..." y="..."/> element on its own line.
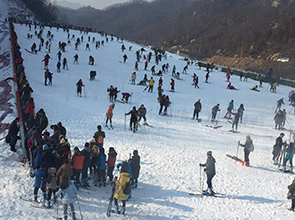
<point x="136" y="65"/>
<point x="111" y="93"/>
<point x="166" y="104"/>
<point x="277" y="148"/>
<point x="161" y="100"/>
<point x="79" y="85"/>
<point x="69" y="193"/>
<point x="280" y="102"/>
<point x="59" y="55"/>
<point x="46" y="61"/>
<point x="76" y="58"/>
<point x="91" y="60"/>
<point x="247" y="149"/>
<point x="65" y="64"/>
<point x="141" y="113"/>
<point x="236" y="120"/>
<point x="86" y="152"/>
<point x="241" y="110"/>
<point x="210" y="171"/>
<point x="229" y="109"/>
<point x="109" y="115"/>
<point x="160" y="83"/>
<point x="51" y="186"/>
<point x="133" y="78"/>
<point x="125" y="97"/>
<point x="172" y="83"/>
<point x="214" y="111"/>
<point x="196" y="81"/>
<point x="125" y="58"/>
<point x="151" y="85"/>
<point x="133" y="118"/>
<point x="99" y="137"/>
<point x="145" y="65"/>
<point x="289" y="152"/>
<point x="92" y="75"/>
<point x="40" y="176"/>
<point x="173" y="71"/>
<point x="207" y="77"/>
<point x="197" y="109"/>
<point x="87" y="47"/>
<point x="124" y="179"/>
<point x="135" y="167"/>
<point x="58" y="65"/>
<point x="111" y="163"/>
<point x="11" y="137"/>
<point x="279" y="118"/>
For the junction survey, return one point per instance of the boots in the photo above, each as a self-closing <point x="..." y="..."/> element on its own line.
<point x="123" y="210"/>
<point x="284" y="168"/>
<point x="118" y="210"/>
<point x="247" y="164"/>
<point x="74" y="215"/>
<point x="35" y="198"/>
<point x="49" y="205"/>
<point x="65" y="217"/>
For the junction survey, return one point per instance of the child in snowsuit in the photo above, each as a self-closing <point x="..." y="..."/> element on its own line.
<point x="51" y="186"/>
<point x="40" y="176"/>
<point x="69" y="192"/>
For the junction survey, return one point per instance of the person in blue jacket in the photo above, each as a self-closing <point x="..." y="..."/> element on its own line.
<point x="38" y="155"/>
<point x="69" y="192"/>
<point x="40" y="176"/>
<point x="128" y="166"/>
<point x="101" y="168"/>
<point x="229" y="109"/>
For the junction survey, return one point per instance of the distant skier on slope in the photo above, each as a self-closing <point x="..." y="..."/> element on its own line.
<point x="133" y="118"/>
<point x="277" y="148"/>
<point x="79" y="85"/>
<point x="214" y="111"/>
<point x="197" y="109"/>
<point x="210" y="171"/>
<point x="109" y="115"/>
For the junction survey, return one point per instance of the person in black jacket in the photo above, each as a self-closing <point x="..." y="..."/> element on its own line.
<point x="210" y="171"/>
<point x="62" y="129"/>
<point x="86" y="152"/>
<point x="12" y="134"/>
<point x="42" y="120"/>
<point x="277" y="148"/>
<point x="198" y="108"/>
<point x="135" y="167"/>
<point x="133" y="118"/>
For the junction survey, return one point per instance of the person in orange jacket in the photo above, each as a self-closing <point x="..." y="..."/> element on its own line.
<point x="110" y="115"/>
<point x="77" y="163"/>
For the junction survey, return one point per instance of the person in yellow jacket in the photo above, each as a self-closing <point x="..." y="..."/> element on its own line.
<point x="124" y="179"/>
<point x="151" y="85"/>
<point x="109" y="115"/>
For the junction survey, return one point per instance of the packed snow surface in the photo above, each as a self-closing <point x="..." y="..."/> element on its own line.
<point x="170" y="150"/>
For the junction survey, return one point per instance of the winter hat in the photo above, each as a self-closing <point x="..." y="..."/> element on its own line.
<point x="209" y="153"/>
<point x="282" y="134"/>
<point x="248" y="137"/>
<point x="135" y="152"/>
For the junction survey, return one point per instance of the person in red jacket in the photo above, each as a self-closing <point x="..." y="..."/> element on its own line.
<point x="172" y="85"/>
<point x="111" y="163"/>
<point x="46" y="75"/>
<point x="77" y="163"/>
<point x="30" y="107"/>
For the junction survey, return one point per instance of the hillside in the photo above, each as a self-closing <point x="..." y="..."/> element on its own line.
<point x="170" y="151"/>
<point x="256" y="29"/>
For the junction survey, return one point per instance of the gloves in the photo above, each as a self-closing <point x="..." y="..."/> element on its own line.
<point x="200" y="165"/>
<point x="204" y="169"/>
<point x="238" y="142"/>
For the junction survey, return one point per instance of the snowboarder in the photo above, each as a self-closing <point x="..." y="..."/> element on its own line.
<point x="109" y="115"/>
<point x="79" y="85"/>
<point x="255" y="88"/>
<point x="197" y="109"/>
<point x="231" y="87"/>
<point x="135" y="167"/>
<point x="214" y="111"/>
<point x="69" y="192"/>
<point x="247" y="149"/>
<point x="229" y="109"/>
<point x="133" y="118"/>
<point x="210" y="171"/>
<point x="277" y="148"/>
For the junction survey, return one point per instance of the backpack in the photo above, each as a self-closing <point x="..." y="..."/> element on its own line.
<point x="127" y="188"/>
<point x="251" y="148"/>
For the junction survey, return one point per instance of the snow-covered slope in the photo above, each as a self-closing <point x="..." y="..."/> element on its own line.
<point x="170" y="151"/>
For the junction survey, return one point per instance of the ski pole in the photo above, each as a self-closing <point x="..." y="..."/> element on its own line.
<point x="125" y="123"/>
<point x="79" y="207"/>
<point x="57" y="208"/>
<point x="237" y="150"/>
<point x="201" y="180"/>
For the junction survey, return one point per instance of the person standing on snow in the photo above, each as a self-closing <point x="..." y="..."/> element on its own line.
<point x="210" y="171"/>
<point x="172" y="83"/>
<point x="109" y="115"/>
<point x="141" y="113"/>
<point x="229" y="109"/>
<point x="291" y="195"/>
<point x="99" y="137"/>
<point x="198" y="107"/>
<point x="135" y="167"/>
<point x="11" y="137"/>
<point x="280" y="102"/>
<point x="277" y="148"/>
<point x="79" y="85"/>
<point x="289" y="152"/>
<point x="247" y="146"/>
<point x="214" y="111"/>
<point x="133" y="118"/>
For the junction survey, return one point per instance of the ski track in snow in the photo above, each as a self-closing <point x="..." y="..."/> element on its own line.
<point x="170" y="151"/>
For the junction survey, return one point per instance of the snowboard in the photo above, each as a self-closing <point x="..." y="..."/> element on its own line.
<point x="109" y="210"/>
